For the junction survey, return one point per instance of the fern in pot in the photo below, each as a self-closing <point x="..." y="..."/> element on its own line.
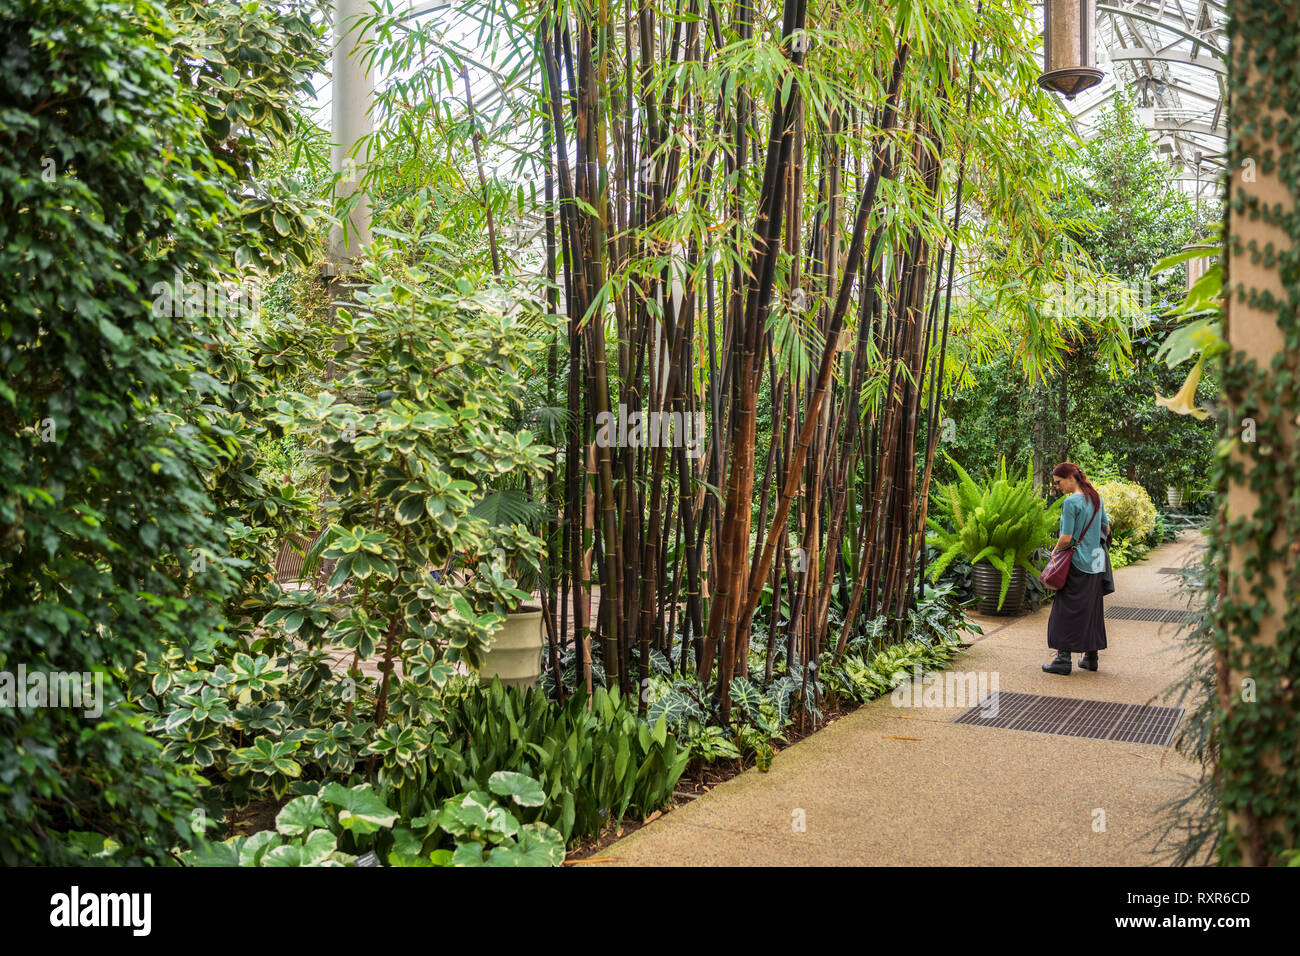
<point x="997" y="527"/>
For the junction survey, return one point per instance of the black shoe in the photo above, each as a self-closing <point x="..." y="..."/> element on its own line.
<point x="1089" y="661"/>
<point x="1060" y="665"/>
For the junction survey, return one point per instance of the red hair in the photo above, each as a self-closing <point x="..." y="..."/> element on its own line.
<point x="1068" y="469"/>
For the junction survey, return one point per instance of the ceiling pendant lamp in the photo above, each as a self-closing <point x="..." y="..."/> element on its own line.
<point x="1146" y="107"/>
<point x="1069" y="47"/>
<point x="1197" y="265"/>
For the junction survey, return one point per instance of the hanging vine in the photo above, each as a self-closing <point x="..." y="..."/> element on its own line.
<point x="1257" y="588"/>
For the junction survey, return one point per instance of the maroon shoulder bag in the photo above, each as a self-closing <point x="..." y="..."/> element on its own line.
<point x="1058" y="568"/>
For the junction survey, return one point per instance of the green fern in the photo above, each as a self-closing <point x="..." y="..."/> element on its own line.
<point x="508" y="506"/>
<point x="1003" y="522"/>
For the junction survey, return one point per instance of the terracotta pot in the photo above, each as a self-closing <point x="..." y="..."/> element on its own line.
<point x="516" y="652"/>
<point x="988" y="582"/>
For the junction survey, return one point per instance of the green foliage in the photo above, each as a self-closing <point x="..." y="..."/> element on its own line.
<point x="410" y="428"/>
<point x="1129" y="508"/>
<point x="761" y="715"/>
<point x="1112" y="422"/>
<point x="1254" y="540"/>
<point x="248" y="67"/>
<point x="1119" y="555"/>
<point x="938" y="617"/>
<point x="858" y="678"/>
<point x="484" y="831"/>
<point x="679" y="702"/>
<point x="758" y="716"/>
<point x="147" y="525"/>
<point x="1147" y="443"/>
<point x="1187" y="831"/>
<point x="1137" y="220"/>
<point x="957" y="579"/>
<point x="1200" y="311"/>
<point x="989" y="421"/>
<point x="309" y="831"/>
<point x="1163" y="532"/>
<point x="108" y="542"/>
<point x="135" y="169"/>
<point x="1135" y="524"/>
<point x="1100" y="465"/>
<point x="1102" y="367"/>
<point x="1003" y="523"/>
<point x="710" y="743"/>
<point x="488" y="834"/>
<point x="591" y="765"/>
<point x="336" y="825"/>
<point x="256" y="721"/>
<point x="411" y="434"/>
<point x="1133" y="215"/>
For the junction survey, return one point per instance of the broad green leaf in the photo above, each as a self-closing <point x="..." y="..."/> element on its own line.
<point x="359" y="809"/>
<point x="300" y="815"/>
<point x="523" y="789"/>
<point x="257" y="846"/>
<point x="228" y="853"/>
<point x="468" y="854"/>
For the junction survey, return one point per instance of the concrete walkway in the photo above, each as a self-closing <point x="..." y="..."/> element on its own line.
<point x="957" y="794"/>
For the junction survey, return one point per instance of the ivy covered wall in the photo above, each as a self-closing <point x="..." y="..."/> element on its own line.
<point x="1257" y="536"/>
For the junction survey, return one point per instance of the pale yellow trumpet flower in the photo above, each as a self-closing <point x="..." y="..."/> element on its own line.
<point x="1184" y="403"/>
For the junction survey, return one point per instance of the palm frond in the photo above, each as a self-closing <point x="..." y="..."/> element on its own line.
<point x="509" y="506"/>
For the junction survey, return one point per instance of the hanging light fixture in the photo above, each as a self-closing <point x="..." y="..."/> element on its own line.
<point x="1197" y="265"/>
<point x="1069" y="47"/>
<point x="1146" y="110"/>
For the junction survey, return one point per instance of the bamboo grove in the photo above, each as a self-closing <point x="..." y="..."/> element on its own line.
<point x="754" y="217"/>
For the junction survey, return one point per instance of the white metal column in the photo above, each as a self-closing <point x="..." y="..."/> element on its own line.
<point x="350" y="123"/>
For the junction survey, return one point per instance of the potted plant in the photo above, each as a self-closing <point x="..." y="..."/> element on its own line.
<point x="1179" y="476"/>
<point x="515" y="655"/>
<point x="997" y="527"/>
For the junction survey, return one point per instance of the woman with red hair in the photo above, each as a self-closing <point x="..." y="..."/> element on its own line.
<point x="1077" y="624"/>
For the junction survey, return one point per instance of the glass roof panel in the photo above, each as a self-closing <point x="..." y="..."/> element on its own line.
<point x="1171" y="57"/>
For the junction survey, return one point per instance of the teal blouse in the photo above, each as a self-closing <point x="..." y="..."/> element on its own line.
<point x="1089" y="556"/>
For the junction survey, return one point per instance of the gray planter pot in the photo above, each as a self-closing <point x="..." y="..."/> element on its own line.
<point x="988" y="582"/>
<point x="516" y="652"/>
<point x="1174" y="496"/>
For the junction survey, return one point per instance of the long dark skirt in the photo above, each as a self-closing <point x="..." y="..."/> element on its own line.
<point x="1077" y="622"/>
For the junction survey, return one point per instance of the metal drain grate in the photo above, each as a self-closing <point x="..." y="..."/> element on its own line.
<point x="1072" y="717"/>
<point x="1169" y="570"/>
<point x="1150" y="614"/>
